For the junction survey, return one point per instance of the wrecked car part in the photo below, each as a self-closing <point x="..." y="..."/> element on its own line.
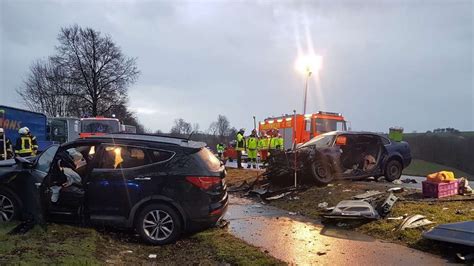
<point x="396" y="190"/>
<point x="242" y="187"/>
<point x="413" y="221"/>
<point x="457" y="233"/>
<point x="279" y="196"/>
<point x="464" y="188"/>
<point x="385" y="208"/>
<point x="408" y="181"/>
<point x="353" y="209"/>
<point x="368" y="194"/>
<point x="323" y="205"/>
<point x="467" y="258"/>
<point x="395" y="218"/>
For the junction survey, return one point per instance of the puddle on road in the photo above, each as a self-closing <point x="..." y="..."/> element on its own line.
<point x="298" y="240"/>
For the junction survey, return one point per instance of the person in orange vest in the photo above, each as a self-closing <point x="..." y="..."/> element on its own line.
<point x="263" y="145"/>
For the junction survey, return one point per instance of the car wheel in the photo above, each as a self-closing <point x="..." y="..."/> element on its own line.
<point x="393" y="170"/>
<point x="321" y="173"/>
<point x="158" y="224"/>
<point x="9" y="206"/>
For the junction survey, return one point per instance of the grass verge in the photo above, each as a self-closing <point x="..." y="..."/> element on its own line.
<point x="424" y="168"/>
<point x="71" y="245"/>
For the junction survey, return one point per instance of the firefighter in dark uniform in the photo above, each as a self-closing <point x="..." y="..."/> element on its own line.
<point x="26" y="144"/>
<point x="240" y="146"/>
<point x="6" y="147"/>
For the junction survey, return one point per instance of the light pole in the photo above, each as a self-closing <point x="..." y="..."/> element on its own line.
<point x="308" y="65"/>
<point x="306" y="89"/>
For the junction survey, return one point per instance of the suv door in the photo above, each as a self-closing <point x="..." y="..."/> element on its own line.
<point x="116" y="183"/>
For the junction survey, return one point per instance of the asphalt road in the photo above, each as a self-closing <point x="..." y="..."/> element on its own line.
<point x="299" y="240"/>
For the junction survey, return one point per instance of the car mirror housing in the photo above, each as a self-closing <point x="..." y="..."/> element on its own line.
<point x="23" y="162"/>
<point x="341" y="140"/>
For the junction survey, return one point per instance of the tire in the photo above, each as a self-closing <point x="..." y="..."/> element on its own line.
<point x="321" y="173"/>
<point x="165" y="230"/>
<point x="9" y="206"/>
<point x="393" y="170"/>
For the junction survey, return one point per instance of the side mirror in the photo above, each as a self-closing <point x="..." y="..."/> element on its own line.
<point x="341" y="140"/>
<point x="23" y="162"/>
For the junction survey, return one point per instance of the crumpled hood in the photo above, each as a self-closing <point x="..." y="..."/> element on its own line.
<point x="8" y="170"/>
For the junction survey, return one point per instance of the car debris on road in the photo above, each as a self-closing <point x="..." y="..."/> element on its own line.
<point x="413" y="221"/>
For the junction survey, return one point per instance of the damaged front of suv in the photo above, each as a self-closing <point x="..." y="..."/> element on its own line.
<point x="336" y="155"/>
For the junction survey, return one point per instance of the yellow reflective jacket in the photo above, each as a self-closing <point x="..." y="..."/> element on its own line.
<point x="252" y="143"/>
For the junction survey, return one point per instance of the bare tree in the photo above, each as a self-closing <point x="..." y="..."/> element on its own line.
<point x="99" y="71"/>
<point x="47" y="90"/>
<point x="195" y="128"/>
<point x="181" y="127"/>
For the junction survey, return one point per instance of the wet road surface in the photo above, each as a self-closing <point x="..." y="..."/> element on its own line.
<point x="297" y="240"/>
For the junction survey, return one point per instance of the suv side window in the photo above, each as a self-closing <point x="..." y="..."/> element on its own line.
<point x="159" y="156"/>
<point x="122" y="157"/>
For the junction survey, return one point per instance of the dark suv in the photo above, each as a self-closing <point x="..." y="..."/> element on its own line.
<point x="158" y="185"/>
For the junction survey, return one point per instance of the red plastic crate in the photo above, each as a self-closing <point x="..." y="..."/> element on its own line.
<point x="439" y="190"/>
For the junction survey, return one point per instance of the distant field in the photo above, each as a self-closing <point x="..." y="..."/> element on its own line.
<point x="423" y="168"/>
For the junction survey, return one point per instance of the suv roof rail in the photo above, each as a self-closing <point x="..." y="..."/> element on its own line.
<point x="147" y="134"/>
<point x="152" y="137"/>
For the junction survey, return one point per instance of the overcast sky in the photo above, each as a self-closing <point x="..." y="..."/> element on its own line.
<point x="393" y="63"/>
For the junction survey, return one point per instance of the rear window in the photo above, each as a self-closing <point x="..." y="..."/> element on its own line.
<point x="209" y="159"/>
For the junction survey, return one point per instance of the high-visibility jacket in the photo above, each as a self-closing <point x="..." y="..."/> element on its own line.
<point x="240" y="142"/>
<point x="273" y="143"/>
<point x="26" y="145"/>
<point x="263" y="143"/>
<point x="220" y="148"/>
<point x="252" y="143"/>
<point x="280" y="144"/>
<point x="276" y="143"/>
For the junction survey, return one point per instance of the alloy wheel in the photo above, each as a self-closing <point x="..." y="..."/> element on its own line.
<point x="158" y="225"/>
<point x="7" y="209"/>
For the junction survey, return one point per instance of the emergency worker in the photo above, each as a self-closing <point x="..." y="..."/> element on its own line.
<point x="239" y="146"/>
<point x="252" y="145"/>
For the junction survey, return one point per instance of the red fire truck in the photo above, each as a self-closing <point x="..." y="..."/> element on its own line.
<point x="96" y="126"/>
<point x="303" y="127"/>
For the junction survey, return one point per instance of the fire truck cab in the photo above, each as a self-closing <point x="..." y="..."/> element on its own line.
<point x="301" y="127"/>
<point x="97" y="126"/>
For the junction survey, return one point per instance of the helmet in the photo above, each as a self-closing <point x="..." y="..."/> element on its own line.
<point x="23" y="131"/>
<point x="242" y="130"/>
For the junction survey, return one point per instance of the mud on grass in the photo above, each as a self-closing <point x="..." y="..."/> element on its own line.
<point x="64" y="244"/>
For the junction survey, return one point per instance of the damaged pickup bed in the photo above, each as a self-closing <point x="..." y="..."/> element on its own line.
<point x="340" y="155"/>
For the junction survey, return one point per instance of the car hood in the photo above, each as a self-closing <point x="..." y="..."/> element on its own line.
<point x="8" y="170"/>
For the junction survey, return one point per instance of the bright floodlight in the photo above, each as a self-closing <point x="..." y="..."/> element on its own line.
<point x="309" y="63"/>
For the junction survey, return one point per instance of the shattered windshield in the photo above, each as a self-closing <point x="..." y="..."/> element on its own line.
<point x="321" y="141"/>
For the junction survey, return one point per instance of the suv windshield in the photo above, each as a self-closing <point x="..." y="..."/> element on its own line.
<point x="100" y="126"/>
<point x="321" y="141"/>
